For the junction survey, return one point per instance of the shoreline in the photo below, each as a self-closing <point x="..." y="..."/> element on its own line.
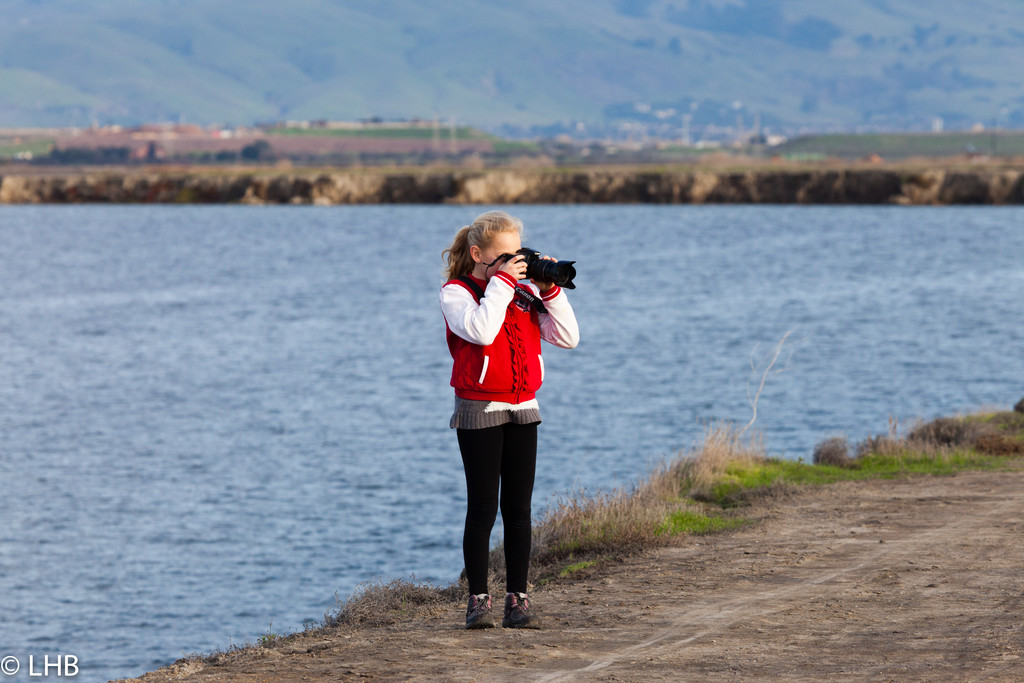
<point x="728" y="563"/>
<point x="913" y="578"/>
<point x="762" y="184"/>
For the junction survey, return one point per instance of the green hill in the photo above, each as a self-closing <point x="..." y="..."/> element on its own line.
<point x="792" y="63"/>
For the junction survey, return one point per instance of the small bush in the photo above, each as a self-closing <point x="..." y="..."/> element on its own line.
<point x="376" y="603"/>
<point x="1019" y="408"/>
<point x="947" y="432"/>
<point x="997" y="444"/>
<point x="834" y="451"/>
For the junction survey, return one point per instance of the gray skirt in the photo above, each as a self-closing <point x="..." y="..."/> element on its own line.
<point x="483" y="414"/>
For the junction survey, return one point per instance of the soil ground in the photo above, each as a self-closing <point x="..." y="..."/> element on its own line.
<point x="909" y="579"/>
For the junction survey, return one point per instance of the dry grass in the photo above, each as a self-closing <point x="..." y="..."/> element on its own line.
<point x="377" y="603"/>
<point x="625" y="521"/>
<point x="610" y="523"/>
<point x="724" y="447"/>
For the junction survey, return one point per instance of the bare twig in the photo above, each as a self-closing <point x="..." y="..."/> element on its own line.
<point x="764" y="377"/>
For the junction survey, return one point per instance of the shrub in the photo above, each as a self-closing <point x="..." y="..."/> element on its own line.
<point x="948" y="432"/>
<point x="997" y="444"/>
<point x="376" y="603"/>
<point x="1019" y="408"/>
<point x="834" y="451"/>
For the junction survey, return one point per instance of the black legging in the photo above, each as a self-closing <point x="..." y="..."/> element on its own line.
<point x="507" y="453"/>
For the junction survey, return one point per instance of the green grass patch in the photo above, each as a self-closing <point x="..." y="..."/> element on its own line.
<point x="576" y="567"/>
<point x="512" y="146"/>
<point x="738" y="480"/>
<point x="692" y="522"/>
<point x="902" y="145"/>
<point x="37" y="148"/>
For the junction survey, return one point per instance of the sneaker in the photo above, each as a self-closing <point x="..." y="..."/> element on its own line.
<point x="478" y="612"/>
<point x="517" y="612"/>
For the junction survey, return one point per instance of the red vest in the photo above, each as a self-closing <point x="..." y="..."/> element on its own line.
<point x="510" y="369"/>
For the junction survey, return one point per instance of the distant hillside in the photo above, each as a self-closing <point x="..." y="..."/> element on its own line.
<point x="792" y="63"/>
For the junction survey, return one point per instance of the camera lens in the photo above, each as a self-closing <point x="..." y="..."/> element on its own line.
<point x="559" y="272"/>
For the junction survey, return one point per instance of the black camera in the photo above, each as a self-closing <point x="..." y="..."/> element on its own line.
<point x="559" y="272"/>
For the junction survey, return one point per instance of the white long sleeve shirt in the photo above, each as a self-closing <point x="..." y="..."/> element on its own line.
<point x="479" y="323"/>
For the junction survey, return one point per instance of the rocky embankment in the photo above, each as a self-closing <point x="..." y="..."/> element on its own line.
<point x="768" y="186"/>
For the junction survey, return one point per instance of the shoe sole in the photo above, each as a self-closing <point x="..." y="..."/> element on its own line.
<point x="489" y="623"/>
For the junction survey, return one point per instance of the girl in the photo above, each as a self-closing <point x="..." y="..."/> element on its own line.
<point x="494" y="330"/>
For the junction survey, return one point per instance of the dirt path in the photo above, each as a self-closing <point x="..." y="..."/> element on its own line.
<point x="919" y="579"/>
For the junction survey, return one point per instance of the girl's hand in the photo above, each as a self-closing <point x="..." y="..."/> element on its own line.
<point x="515" y="266"/>
<point x="544" y="286"/>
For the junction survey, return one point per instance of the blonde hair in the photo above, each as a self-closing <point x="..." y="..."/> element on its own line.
<point x="479" y="233"/>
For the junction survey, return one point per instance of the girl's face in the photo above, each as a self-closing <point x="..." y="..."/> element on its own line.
<point x="503" y="243"/>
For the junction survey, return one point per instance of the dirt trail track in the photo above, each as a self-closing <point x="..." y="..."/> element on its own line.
<point x="918" y="579"/>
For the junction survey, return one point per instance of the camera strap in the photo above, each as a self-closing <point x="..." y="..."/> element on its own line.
<point x="531" y="299"/>
<point x="473" y="287"/>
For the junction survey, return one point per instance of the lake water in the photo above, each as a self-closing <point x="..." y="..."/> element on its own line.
<point x="216" y="418"/>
